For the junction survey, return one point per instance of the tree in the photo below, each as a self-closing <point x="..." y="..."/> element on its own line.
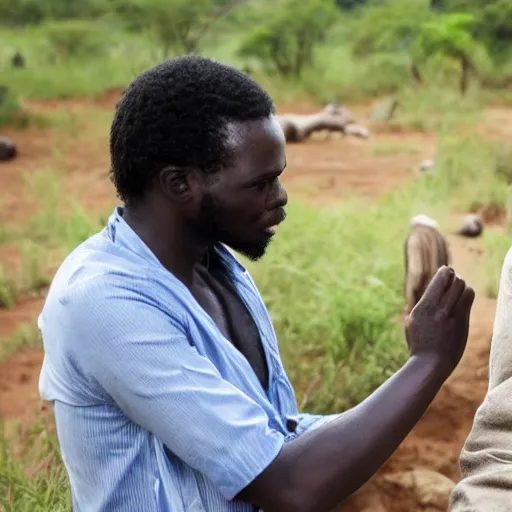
<point x="450" y="35"/>
<point x="437" y="5"/>
<point x="177" y="23"/>
<point x="34" y="12"/>
<point x="76" y="37"/>
<point x="390" y="28"/>
<point x="496" y="25"/>
<point x="493" y="22"/>
<point x="413" y="27"/>
<point x="285" y="39"/>
<point x="349" y="4"/>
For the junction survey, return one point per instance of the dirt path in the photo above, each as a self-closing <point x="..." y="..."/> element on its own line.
<point x="320" y="171"/>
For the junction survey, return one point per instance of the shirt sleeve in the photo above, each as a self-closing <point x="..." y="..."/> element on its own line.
<point x="486" y="457"/>
<point x="143" y="359"/>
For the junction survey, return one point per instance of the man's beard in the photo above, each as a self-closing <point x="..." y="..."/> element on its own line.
<point x="209" y="225"/>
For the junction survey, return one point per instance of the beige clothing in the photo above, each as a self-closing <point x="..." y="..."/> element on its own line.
<point x="486" y="458"/>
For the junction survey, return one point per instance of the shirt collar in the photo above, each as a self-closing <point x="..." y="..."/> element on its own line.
<point x="124" y="236"/>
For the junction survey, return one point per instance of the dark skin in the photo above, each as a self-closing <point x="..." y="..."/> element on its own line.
<point x="184" y="213"/>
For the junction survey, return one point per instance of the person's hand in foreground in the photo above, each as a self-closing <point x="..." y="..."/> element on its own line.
<point x="322" y="468"/>
<point x="439" y="324"/>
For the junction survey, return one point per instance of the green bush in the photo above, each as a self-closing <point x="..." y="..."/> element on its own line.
<point x="77" y="38"/>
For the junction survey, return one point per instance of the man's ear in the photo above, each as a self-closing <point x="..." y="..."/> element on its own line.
<point x="176" y="183"/>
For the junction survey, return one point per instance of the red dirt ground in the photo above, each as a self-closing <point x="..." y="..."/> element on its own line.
<point x="320" y="170"/>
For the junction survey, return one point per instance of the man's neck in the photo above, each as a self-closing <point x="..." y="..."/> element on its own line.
<point x="170" y="240"/>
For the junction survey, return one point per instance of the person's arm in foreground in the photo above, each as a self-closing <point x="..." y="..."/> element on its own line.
<point x="486" y="458"/>
<point x="322" y="468"/>
<point x="145" y="363"/>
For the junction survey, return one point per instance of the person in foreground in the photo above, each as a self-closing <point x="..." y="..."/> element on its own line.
<point x="486" y="457"/>
<point x="161" y="360"/>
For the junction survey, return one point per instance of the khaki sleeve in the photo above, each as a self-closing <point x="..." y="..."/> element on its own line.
<point x="486" y="458"/>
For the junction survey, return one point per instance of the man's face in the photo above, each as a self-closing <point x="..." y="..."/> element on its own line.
<point x="244" y="203"/>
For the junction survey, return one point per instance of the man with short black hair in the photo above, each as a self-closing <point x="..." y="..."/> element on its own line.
<point x="161" y="359"/>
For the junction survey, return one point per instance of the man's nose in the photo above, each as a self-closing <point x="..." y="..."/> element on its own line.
<point x="278" y="198"/>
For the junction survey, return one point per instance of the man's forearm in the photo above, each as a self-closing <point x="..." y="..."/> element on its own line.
<point x="322" y="468"/>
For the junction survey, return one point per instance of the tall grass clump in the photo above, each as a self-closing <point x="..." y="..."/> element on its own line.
<point x="26" y="336"/>
<point x="468" y="175"/>
<point x="332" y="283"/>
<point x="11" y="108"/>
<point x="32" y="476"/>
<point x="35" y="277"/>
<point x="59" y="221"/>
<point x="442" y="110"/>
<point x="497" y="244"/>
<point x="31" y="280"/>
<point x="8" y="289"/>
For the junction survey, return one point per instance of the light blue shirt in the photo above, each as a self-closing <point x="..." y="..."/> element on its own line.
<point x="155" y="410"/>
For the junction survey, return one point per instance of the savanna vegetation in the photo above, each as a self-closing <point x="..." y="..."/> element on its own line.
<point x="333" y="279"/>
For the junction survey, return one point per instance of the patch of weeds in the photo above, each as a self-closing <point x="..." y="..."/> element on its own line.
<point x="26" y="336"/>
<point x="8" y="289"/>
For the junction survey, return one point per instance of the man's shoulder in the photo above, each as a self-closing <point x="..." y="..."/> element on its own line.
<point x="100" y="274"/>
<point x="92" y="262"/>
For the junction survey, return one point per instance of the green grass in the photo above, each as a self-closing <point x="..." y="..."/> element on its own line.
<point x="386" y="148"/>
<point x="334" y="290"/>
<point x="496" y="246"/>
<point x="48" y="77"/>
<point x="26" y="336"/>
<point x="8" y="289"/>
<point x="433" y="109"/>
<point x="32" y="280"/>
<point x="32" y="478"/>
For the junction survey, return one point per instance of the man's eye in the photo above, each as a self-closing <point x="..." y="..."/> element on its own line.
<point x="262" y="185"/>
